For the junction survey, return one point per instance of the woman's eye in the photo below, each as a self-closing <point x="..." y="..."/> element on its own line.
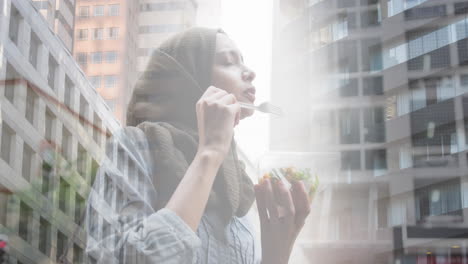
<point x="228" y="62"/>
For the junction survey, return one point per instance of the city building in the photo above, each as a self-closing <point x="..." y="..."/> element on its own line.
<point x="114" y="40"/>
<point x="60" y="16"/>
<point x="160" y="19"/>
<point x="382" y="84"/>
<point x="53" y="132"/>
<point x="106" y="35"/>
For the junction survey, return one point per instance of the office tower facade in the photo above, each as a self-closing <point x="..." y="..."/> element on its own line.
<point x="54" y="127"/>
<point x="381" y="84"/>
<point x="158" y="20"/>
<point x="106" y="35"/>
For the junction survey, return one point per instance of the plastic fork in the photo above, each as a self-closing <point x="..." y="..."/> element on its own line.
<point x="264" y="107"/>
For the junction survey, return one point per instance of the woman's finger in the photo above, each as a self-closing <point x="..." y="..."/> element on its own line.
<point x="216" y="95"/>
<point x="284" y="199"/>
<point x="270" y="200"/>
<point x="227" y="99"/>
<point x="211" y="90"/>
<point x="301" y="202"/>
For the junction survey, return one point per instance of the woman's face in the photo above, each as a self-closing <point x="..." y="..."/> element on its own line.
<point x="230" y="73"/>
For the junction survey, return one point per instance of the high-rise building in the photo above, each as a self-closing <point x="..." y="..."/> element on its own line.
<point x="114" y="40"/>
<point x="60" y="16"/>
<point x="53" y="131"/>
<point x="381" y="84"/>
<point x="160" y="19"/>
<point x="106" y="35"/>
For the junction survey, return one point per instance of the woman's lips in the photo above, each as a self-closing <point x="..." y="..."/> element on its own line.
<point x="250" y="94"/>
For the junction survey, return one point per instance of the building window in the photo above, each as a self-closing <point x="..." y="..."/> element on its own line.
<point x="83" y="11"/>
<point x="53" y="66"/>
<point x="113" y="33"/>
<point x="110" y="81"/>
<point x="82" y="34"/>
<point x="370" y="18"/>
<point x="84" y="108"/>
<point x="461" y="8"/>
<point x="15" y="22"/>
<point x="61" y="246"/>
<point x="111" y="56"/>
<point x="78" y="256"/>
<point x="95" y="81"/>
<point x="442" y="198"/>
<point x="93" y="223"/>
<point x="119" y="200"/>
<point x="97" y="130"/>
<point x="31" y="104"/>
<point x="371" y="55"/>
<point x="80" y="206"/>
<point x="82" y="162"/>
<point x="46" y="176"/>
<point x="376" y="159"/>
<point x="374" y="125"/>
<point x="372" y="86"/>
<point x="64" y="196"/>
<point x="108" y="189"/>
<point x="424" y="43"/>
<point x="66" y="143"/>
<point x="114" y="10"/>
<point x="464" y="81"/>
<point x="425" y="12"/>
<point x="44" y="236"/>
<point x="98" y="34"/>
<point x="50" y="125"/>
<point x="82" y="58"/>
<point x="99" y="10"/>
<point x="27" y="162"/>
<point x="94" y="169"/>
<point x="25" y="222"/>
<point x="8" y="143"/>
<point x="349" y="126"/>
<point x="96" y="57"/>
<point x="69" y="97"/>
<point x="34" y="50"/>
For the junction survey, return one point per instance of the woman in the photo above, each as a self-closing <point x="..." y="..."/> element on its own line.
<point x="187" y="194"/>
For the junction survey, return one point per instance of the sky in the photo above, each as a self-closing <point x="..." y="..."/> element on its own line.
<point x="249" y="24"/>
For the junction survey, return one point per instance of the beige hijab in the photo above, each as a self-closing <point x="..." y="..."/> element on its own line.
<point x="163" y="107"/>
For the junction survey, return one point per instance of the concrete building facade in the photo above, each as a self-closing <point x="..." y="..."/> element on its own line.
<point x="53" y="131"/>
<point x="382" y="84"/>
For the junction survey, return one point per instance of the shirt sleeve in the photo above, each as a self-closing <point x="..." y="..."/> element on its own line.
<point x="121" y="224"/>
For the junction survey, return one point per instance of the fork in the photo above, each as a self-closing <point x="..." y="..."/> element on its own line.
<point x="264" y="107"/>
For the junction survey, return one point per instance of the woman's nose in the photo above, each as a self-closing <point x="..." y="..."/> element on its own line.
<point x="248" y="75"/>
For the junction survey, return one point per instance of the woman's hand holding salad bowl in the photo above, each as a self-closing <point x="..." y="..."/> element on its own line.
<point x="283" y="203"/>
